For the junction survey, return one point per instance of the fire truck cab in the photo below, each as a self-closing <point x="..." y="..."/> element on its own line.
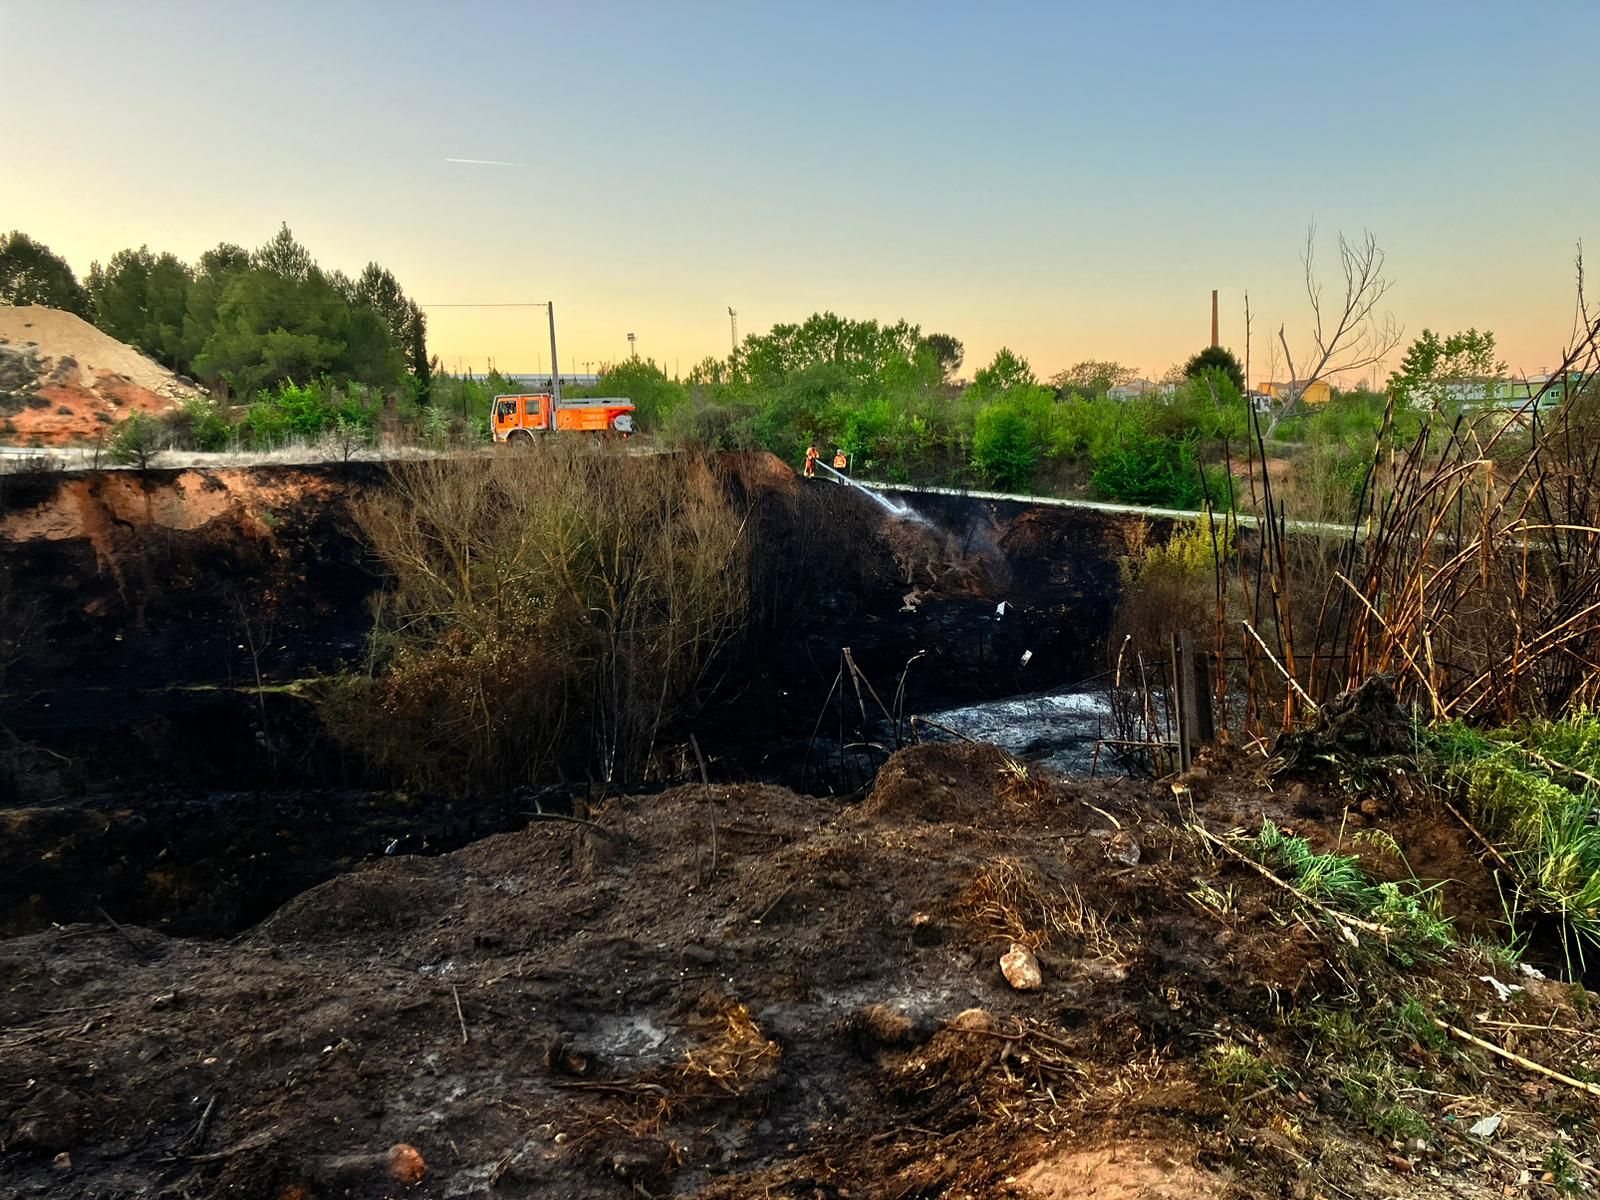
<point x="519" y="418"/>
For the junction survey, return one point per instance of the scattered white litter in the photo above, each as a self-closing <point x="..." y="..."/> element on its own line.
<point x="1486" y="1127"/>
<point x="1503" y="991"/>
<point x="1026" y="655"/>
<point x="999" y="610"/>
<point x="1530" y="971"/>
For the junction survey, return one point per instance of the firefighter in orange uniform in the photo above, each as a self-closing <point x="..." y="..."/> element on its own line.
<point x="812" y="454"/>
<point x="840" y="461"/>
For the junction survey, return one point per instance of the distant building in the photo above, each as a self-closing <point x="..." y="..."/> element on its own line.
<point x="1550" y="389"/>
<point x="1135" y="388"/>
<point x="1315" y="392"/>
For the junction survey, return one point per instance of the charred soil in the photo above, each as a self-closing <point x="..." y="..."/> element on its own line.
<point x="735" y="991"/>
<point x="163" y="636"/>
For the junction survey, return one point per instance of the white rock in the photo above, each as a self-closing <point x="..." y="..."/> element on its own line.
<point x="1123" y="848"/>
<point x="1021" y="968"/>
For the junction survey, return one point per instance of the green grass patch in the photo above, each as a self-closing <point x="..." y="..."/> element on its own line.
<point x="1354" y="1051"/>
<point x="1532" y="791"/>
<point x="1409" y="910"/>
<point x="1241" y="1068"/>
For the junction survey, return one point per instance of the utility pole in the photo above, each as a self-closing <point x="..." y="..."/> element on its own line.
<point x="555" y="371"/>
<point x="733" y="327"/>
<point x="632" y="353"/>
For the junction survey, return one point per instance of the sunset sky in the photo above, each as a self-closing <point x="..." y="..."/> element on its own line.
<point x="1069" y="180"/>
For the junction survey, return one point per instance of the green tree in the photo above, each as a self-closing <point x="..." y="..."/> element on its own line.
<point x="1092" y="378"/>
<point x="415" y="348"/>
<point x="1435" y="369"/>
<point x="946" y="351"/>
<point x="141" y="299"/>
<point x="217" y="269"/>
<point x="284" y="257"/>
<point x="31" y="274"/>
<point x="137" y="441"/>
<point x="166" y="304"/>
<point x="861" y="350"/>
<point x="270" y="329"/>
<point x="1007" y="370"/>
<point x="1216" y="358"/>
<point x="117" y="292"/>
<point x="370" y="352"/>
<point x="1144" y="469"/>
<point x="1003" y="446"/>
<point x="284" y="319"/>
<point x="654" y="396"/>
<point x="408" y="328"/>
<point x="379" y="290"/>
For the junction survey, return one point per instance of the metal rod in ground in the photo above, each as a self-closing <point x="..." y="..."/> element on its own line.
<point x="126" y="936"/>
<point x="1179" y="681"/>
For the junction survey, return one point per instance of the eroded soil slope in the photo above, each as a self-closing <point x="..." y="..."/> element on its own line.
<point x="739" y="991"/>
<point x="145" y="618"/>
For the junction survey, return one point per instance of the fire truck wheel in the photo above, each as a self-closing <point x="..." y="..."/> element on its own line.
<point x="520" y="438"/>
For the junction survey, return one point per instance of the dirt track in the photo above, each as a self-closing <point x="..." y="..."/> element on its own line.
<point x="745" y="992"/>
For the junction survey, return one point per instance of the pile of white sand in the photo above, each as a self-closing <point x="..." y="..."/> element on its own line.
<point x="57" y="335"/>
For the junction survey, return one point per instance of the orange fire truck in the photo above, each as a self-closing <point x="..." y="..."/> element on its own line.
<point x="517" y="419"/>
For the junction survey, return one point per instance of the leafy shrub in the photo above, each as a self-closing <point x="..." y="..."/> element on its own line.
<point x="655" y="397"/>
<point x="305" y="412"/>
<point x="1003" y="447"/>
<point x="199" y="424"/>
<point x="705" y="425"/>
<point x="1169" y="587"/>
<point x="137" y="441"/>
<point x="434" y="427"/>
<point x="1145" y="469"/>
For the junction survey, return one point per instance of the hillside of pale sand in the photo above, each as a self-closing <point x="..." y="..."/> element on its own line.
<point x="62" y="381"/>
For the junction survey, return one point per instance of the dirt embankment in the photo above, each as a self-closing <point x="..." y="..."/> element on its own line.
<point x="169" y="628"/>
<point x="136" y="608"/>
<point x="130" y="597"/>
<point x="737" y="991"/>
<point x="62" y="381"/>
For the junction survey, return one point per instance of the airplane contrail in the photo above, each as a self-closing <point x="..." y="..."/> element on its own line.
<point x="483" y="162"/>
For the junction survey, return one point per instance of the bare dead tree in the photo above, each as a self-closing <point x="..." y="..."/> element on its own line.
<point x="1347" y="334"/>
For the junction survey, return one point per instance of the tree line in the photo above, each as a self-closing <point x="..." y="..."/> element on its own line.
<point x="237" y="320"/>
<point x="887" y="395"/>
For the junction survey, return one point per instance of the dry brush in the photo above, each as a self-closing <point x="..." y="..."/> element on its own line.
<point x="549" y="613"/>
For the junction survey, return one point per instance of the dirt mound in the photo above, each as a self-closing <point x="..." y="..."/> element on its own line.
<point x="1361" y="722"/>
<point x="63" y="381"/>
<point x="944" y="783"/>
<point x="739" y="991"/>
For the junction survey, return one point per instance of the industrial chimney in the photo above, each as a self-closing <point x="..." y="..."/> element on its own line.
<point x="1213" y="317"/>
